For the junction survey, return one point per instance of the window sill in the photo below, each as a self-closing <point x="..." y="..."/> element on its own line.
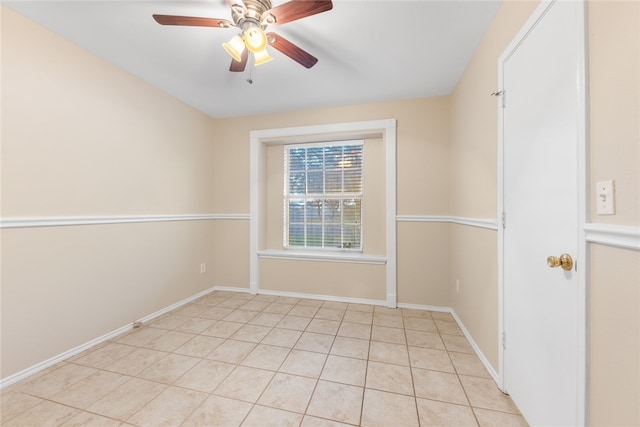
<point x="356" y="258"/>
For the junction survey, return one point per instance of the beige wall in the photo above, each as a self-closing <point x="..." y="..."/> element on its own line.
<point x="349" y="280"/>
<point x="423" y="263"/>
<point x="474" y="155"/>
<point x="274" y="197"/>
<point x="422" y="159"/>
<point x="474" y="117"/>
<point x="614" y="337"/>
<point x="65" y="286"/>
<point x="230" y="253"/>
<point x="82" y="138"/>
<point x="614" y="311"/>
<point x="614" y="92"/>
<point x="422" y="149"/>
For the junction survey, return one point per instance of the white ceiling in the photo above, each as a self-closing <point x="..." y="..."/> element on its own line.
<point x="368" y="51"/>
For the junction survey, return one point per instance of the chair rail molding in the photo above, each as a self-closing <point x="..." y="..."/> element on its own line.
<point x="488" y="223"/>
<point x="620" y="236"/>
<point x="59" y="221"/>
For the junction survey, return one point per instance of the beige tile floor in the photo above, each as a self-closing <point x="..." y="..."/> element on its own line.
<point x="231" y="359"/>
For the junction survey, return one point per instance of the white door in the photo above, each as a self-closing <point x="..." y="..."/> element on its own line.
<point x="541" y="147"/>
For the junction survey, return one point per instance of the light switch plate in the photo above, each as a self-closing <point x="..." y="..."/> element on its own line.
<point x="605" y="198"/>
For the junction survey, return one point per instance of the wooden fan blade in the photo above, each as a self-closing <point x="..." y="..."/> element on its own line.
<point x="291" y="50"/>
<point x="239" y="66"/>
<point x="297" y="9"/>
<point x="192" y="21"/>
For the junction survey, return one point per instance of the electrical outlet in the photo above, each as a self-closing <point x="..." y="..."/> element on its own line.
<point x="457" y="286"/>
<point x="203" y="268"/>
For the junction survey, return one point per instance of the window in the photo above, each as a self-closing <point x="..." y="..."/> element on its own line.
<point x="323" y="195"/>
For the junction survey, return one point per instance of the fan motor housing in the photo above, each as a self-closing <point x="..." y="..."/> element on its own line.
<point x="255" y="9"/>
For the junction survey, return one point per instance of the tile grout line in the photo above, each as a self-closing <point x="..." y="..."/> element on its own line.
<point x="413" y="384"/>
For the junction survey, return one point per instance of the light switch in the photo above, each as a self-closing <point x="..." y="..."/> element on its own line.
<point x="605" y="198"/>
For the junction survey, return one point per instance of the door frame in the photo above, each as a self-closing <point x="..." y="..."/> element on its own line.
<point x="582" y="193"/>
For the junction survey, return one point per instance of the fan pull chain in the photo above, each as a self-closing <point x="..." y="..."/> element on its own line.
<point x="249" y="79"/>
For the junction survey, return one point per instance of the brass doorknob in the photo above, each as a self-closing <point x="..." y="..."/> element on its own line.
<point x="565" y="261"/>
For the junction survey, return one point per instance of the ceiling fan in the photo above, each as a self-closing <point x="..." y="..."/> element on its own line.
<point x="253" y="17"/>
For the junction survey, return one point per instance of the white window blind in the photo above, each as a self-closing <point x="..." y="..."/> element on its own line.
<point x="323" y="195"/>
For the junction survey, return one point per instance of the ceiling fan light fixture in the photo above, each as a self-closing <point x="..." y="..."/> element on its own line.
<point x="235" y="47"/>
<point x="255" y="39"/>
<point x="252" y="18"/>
<point x="262" y="57"/>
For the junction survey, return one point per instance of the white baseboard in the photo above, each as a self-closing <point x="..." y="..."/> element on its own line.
<point x="172" y="307"/>
<point x="232" y="289"/>
<point x="332" y="298"/>
<point x="425" y="307"/>
<point x="19" y="376"/>
<point x="475" y="347"/>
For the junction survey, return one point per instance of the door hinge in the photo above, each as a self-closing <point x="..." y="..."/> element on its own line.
<point x="504" y="221"/>
<point x="504" y="341"/>
<point x="500" y="93"/>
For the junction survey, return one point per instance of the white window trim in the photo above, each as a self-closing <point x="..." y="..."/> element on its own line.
<point x="331" y="256"/>
<point x="261" y="139"/>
